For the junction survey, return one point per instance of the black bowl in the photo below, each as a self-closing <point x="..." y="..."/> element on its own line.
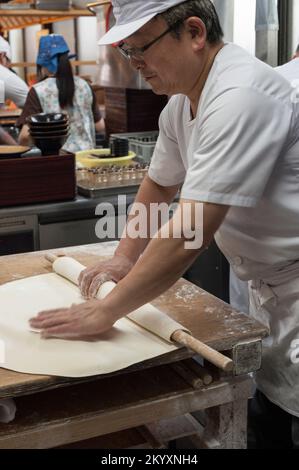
<point x="50" y="145"/>
<point x="46" y="135"/>
<point x="49" y="128"/>
<point x="47" y="118"/>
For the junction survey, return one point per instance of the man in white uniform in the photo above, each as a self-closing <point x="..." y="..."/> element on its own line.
<point x="229" y="136"/>
<point x="239" y="289"/>
<point x="15" y="89"/>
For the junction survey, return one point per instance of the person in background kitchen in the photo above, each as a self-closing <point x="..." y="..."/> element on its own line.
<point x="229" y="138"/>
<point x="59" y="91"/>
<point x="15" y="89"/>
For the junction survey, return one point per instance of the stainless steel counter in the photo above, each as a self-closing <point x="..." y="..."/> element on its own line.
<point x="65" y="210"/>
<point x="55" y="225"/>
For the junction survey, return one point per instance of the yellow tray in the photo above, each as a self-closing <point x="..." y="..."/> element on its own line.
<point x="86" y="161"/>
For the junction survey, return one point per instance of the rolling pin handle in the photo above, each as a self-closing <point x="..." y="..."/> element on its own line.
<point x="219" y="360"/>
<point x="51" y="258"/>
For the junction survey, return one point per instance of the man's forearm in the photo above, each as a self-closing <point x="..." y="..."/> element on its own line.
<point x="149" y="193"/>
<point x="164" y="261"/>
<point x="162" y="264"/>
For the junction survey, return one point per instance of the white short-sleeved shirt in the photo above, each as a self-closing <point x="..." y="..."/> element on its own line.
<point x="15" y="89"/>
<point x="241" y="150"/>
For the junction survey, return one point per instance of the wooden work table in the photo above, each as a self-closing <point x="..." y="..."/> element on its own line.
<point x="86" y="408"/>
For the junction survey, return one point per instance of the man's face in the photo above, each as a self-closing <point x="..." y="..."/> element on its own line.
<point x="164" y="65"/>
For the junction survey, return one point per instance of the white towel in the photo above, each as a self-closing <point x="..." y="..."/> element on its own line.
<point x="7" y="410"/>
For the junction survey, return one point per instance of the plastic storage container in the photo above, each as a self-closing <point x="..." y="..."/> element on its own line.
<point x="141" y="143"/>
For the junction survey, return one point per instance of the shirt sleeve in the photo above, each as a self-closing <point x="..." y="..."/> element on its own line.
<point x="167" y="168"/>
<point x="32" y="106"/>
<point x="16" y="89"/>
<point x="236" y="147"/>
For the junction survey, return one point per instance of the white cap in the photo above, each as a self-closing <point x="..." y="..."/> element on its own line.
<point x="5" y="47"/>
<point x="131" y="15"/>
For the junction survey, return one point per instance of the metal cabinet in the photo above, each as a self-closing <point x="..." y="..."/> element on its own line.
<point x="71" y="233"/>
<point x="18" y="235"/>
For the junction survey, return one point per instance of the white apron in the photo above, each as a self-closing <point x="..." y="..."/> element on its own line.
<point x="274" y="301"/>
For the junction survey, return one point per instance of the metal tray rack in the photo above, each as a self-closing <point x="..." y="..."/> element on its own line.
<point x="110" y="180"/>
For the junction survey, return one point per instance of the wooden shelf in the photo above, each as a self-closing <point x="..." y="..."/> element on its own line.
<point x="41" y="13"/>
<point x="19" y="19"/>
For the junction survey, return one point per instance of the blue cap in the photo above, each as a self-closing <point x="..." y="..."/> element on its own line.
<point x="49" y="48"/>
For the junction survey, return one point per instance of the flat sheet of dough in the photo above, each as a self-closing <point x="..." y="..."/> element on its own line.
<point x="147" y="316"/>
<point x="25" y="351"/>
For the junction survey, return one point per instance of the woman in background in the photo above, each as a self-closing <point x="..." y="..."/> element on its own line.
<point x="59" y="91"/>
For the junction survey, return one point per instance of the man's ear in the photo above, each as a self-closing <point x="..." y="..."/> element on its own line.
<point x="196" y="28"/>
<point x="194" y="32"/>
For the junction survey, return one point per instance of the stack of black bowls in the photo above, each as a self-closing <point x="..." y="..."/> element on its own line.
<point x="49" y="132"/>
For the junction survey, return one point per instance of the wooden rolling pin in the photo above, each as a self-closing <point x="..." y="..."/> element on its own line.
<point x="185" y="339"/>
<point x="51" y="258"/>
<point x="211" y="355"/>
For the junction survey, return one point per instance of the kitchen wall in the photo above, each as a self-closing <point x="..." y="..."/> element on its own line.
<point x="31" y="48"/>
<point x="17" y="49"/>
<point x="225" y="10"/>
<point x="244" y="24"/>
<point x="87" y="40"/>
<point x="237" y="18"/>
<point x="87" y="44"/>
<point x="31" y="44"/>
<point x="67" y="30"/>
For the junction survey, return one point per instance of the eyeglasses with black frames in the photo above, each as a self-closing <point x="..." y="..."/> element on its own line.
<point x="137" y="53"/>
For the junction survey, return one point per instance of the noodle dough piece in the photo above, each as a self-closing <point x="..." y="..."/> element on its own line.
<point x="146" y="316"/>
<point x="25" y="351"/>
